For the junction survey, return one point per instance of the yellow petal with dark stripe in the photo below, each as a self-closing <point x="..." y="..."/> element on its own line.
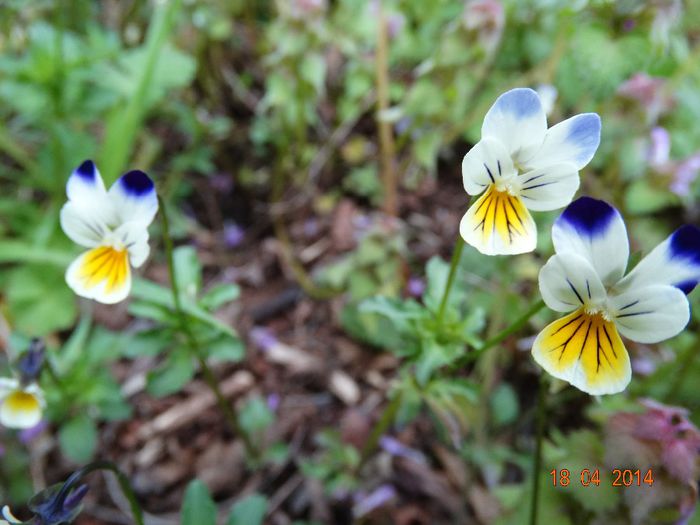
<point x="105" y="265"/>
<point x="102" y="274"/>
<point x="499" y="224"/>
<point x="585" y="350"/>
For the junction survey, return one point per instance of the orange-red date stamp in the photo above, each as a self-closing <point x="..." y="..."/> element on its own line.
<point x="587" y="477"/>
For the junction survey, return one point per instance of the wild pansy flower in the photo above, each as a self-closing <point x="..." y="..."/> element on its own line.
<point x="21" y="399"/>
<point x="586" y="279"/>
<point x="113" y="225"/>
<point x="520" y="165"/>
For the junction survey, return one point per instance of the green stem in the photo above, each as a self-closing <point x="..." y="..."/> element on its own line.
<point x="537" y="458"/>
<point x="194" y="347"/>
<point x="456" y="257"/>
<point x="503" y="335"/>
<point x="684" y="367"/>
<point x="383" y="424"/>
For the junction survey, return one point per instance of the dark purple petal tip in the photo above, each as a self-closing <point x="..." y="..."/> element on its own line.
<point x="589" y="216"/>
<point x="86" y="170"/>
<point x="136" y="183"/>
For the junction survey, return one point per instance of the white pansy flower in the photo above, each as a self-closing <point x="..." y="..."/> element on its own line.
<point x="586" y="279"/>
<point x="21" y="406"/>
<point x="113" y="225"/>
<point x="520" y="165"/>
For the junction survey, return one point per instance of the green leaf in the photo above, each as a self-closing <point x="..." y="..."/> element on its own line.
<point x="40" y="301"/>
<point x="173" y="375"/>
<point x="198" y="506"/>
<point x="219" y="295"/>
<point x="188" y="271"/>
<point x="78" y="438"/>
<point x="504" y="404"/>
<point x="250" y="510"/>
<point x="255" y="416"/>
<point x="225" y="348"/>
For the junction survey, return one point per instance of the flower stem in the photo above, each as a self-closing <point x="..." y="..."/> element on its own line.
<point x="456" y="257"/>
<point x="383" y="424"/>
<point x="537" y="458"/>
<point x="229" y="414"/>
<point x="501" y="336"/>
<point x="387" y="148"/>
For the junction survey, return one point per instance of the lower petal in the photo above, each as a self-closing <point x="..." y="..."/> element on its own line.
<point x="20" y="410"/>
<point x="499" y="224"/>
<point x="586" y="351"/>
<point x="102" y="274"/>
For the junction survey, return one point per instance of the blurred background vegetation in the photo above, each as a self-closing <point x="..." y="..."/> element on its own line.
<point x="259" y="120"/>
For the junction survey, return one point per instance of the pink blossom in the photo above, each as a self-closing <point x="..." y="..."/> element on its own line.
<point x="487" y="18"/>
<point x="649" y="92"/>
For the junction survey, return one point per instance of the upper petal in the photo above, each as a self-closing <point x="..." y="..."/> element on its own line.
<point x="549" y="188"/>
<point x="134" y="197"/>
<point x="651" y="313"/>
<point x="568" y="281"/>
<point x="487" y="162"/>
<point x="518" y="120"/>
<point x="676" y="261"/>
<point x="85" y="183"/>
<point x="594" y="230"/>
<point x="499" y="224"/>
<point x="575" y="140"/>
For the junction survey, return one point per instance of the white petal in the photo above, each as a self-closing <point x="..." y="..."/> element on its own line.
<point x="134" y="235"/>
<point x="83" y="224"/>
<point x="7" y="385"/>
<point x="20" y="409"/>
<point x="7" y="514"/>
<point x="568" y="281"/>
<point x="499" y="224"/>
<point x="650" y="314"/>
<point x="574" y="141"/>
<point x="549" y="188"/>
<point x="133" y="196"/>
<point x="676" y="261"/>
<point x="102" y="274"/>
<point x="594" y="230"/>
<point x="487" y="162"/>
<point x="518" y="121"/>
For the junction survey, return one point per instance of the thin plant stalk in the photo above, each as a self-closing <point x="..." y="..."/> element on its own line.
<point x="387" y="147"/>
<point x="194" y="347"/>
<point x="456" y="257"/>
<point x="515" y="327"/>
<point x="385" y="421"/>
<point x="537" y="458"/>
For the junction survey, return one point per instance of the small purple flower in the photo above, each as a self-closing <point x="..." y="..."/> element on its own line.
<point x="30" y="434"/>
<point x="629" y="24"/>
<point x="415" y="287"/>
<point x="273" y="402"/>
<point x="311" y="227"/>
<point x="660" y="148"/>
<point x="233" y="234"/>
<point x="396" y="448"/>
<point x="263" y="338"/>
<point x="366" y="503"/>
<point x="685" y="174"/>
